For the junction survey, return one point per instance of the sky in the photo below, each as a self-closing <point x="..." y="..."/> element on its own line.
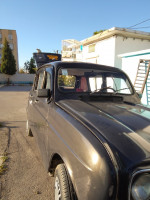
<point x="44" y="24"/>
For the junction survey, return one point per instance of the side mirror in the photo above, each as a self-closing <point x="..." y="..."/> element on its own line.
<point x="43" y="93"/>
<point x="139" y="95"/>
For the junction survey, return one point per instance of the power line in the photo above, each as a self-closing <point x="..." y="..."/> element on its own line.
<point x="141" y="27"/>
<point x="139" y="23"/>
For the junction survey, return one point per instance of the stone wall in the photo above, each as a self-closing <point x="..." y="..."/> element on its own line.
<point x="17" y="79"/>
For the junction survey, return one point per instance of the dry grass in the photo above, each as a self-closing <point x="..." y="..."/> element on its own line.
<point x="3" y="167"/>
<point x="1" y="125"/>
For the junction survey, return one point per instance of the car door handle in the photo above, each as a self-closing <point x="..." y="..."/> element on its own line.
<point x="36" y="100"/>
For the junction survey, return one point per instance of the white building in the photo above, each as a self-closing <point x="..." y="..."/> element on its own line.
<point x="105" y="47"/>
<point x="111" y="47"/>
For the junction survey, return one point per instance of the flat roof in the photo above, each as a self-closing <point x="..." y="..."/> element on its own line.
<point x="115" y="31"/>
<point x="7" y="30"/>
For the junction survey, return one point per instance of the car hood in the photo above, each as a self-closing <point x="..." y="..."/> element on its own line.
<point x="125" y="127"/>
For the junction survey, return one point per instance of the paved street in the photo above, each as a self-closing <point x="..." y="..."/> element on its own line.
<point x="25" y="178"/>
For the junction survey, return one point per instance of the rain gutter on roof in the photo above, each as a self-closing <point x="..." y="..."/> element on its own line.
<point x="114" y="32"/>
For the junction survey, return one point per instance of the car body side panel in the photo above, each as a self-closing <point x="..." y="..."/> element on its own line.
<point x="89" y="171"/>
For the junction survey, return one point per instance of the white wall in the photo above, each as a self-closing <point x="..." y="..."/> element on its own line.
<point x="130" y="66"/>
<point x="104" y="52"/>
<point x="107" y="50"/>
<point x="17" y="78"/>
<point x="126" y="45"/>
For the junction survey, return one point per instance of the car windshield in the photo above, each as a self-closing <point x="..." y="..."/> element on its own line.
<point x="93" y="81"/>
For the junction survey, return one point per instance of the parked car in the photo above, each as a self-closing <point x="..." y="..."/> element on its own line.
<point x="92" y="131"/>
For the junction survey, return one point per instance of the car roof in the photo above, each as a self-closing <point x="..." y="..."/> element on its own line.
<point x="59" y="64"/>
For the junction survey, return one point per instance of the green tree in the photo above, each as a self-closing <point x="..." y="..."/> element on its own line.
<point x="32" y="66"/>
<point x="29" y="66"/>
<point x="68" y="81"/>
<point x="26" y="66"/>
<point x="8" y="64"/>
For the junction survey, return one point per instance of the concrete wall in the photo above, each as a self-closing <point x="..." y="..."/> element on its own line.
<point x="104" y="52"/>
<point x="107" y="51"/>
<point x="17" y="78"/>
<point x="125" y="45"/>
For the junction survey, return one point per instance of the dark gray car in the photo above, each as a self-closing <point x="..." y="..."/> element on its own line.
<point x="92" y="132"/>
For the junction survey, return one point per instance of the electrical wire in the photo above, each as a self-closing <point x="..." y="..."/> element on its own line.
<point x="139" y="23"/>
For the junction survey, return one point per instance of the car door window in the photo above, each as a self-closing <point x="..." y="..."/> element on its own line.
<point x="35" y="82"/>
<point x="40" y="81"/>
<point x="44" y="81"/>
<point x="48" y="81"/>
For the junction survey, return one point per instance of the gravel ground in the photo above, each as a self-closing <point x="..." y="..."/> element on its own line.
<point x="25" y="178"/>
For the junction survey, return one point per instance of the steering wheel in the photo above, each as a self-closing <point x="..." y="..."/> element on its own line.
<point x="104" y="88"/>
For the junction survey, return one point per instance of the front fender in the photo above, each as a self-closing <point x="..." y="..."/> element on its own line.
<point x="88" y="163"/>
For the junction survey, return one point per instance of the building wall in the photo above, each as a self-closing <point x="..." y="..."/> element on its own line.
<point x="104" y="53"/>
<point x="126" y="45"/>
<point x="130" y="64"/>
<point x="11" y="36"/>
<point x="17" y="78"/>
<point x="107" y="51"/>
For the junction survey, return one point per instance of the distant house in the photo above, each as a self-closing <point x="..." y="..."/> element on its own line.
<point x="11" y="36"/>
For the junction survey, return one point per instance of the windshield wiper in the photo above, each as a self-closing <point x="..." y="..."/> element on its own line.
<point x="123" y="89"/>
<point x="101" y="90"/>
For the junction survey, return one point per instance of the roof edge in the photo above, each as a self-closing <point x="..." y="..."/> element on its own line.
<point x="115" y="31"/>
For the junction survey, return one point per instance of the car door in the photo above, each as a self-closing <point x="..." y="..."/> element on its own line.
<point x="33" y="100"/>
<point x="41" y="108"/>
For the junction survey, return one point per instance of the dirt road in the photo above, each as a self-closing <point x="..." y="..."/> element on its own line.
<point x="25" y="178"/>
